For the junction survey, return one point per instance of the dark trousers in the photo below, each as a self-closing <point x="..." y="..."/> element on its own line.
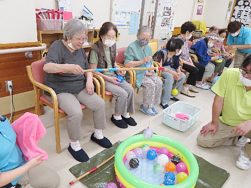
<point x="195" y="73"/>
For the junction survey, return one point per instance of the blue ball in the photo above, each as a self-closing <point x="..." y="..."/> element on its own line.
<point x="168" y="182"/>
<point x="151" y="154"/>
<point x="120" y="78"/>
<point x="170" y="176"/>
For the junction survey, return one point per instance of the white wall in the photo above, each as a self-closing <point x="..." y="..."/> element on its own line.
<point x="216" y="15"/>
<point x="17" y="20"/>
<point x="183" y="11"/>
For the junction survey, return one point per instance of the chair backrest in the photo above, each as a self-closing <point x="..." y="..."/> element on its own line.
<point x="37" y="70"/>
<point x="154" y="45"/>
<point x="120" y="58"/>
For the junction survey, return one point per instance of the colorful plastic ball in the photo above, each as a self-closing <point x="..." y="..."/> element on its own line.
<point x="162" y="159"/>
<point x="181" y="167"/>
<point x="168" y="182"/>
<point x="148" y="133"/>
<point x="163" y="151"/>
<point x="157" y="168"/>
<point x="138" y="152"/>
<point x="170" y="167"/>
<point x="130" y="155"/>
<point x="134" y="163"/>
<point x="182" y="176"/>
<point x="175" y="92"/>
<point x="170" y="175"/>
<point x="170" y="155"/>
<point x="111" y="185"/>
<point x="175" y="159"/>
<point x="151" y="154"/>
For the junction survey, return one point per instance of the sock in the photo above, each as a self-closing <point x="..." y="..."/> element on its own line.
<point x="127" y="115"/>
<point x="117" y="117"/>
<point x="75" y="145"/>
<point x="98" y="133"/>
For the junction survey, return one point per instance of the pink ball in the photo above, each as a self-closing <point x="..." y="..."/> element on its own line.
<point x="170" y="155"/>
<point x="181" y="167"/>
<point x="124" y="159"/>
<point x="163" y="151"/>
<point x="138" y="152"/>
<point x="111" y="185"/>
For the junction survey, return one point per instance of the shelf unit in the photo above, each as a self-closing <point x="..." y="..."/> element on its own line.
<point x="48" y="37"/>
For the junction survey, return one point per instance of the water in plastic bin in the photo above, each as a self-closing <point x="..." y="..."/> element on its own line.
<point x="158" y="166"/>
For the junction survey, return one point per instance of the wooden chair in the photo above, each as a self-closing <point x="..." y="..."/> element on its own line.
<point x="120" y="58"/>
<point x="36" y="76"/>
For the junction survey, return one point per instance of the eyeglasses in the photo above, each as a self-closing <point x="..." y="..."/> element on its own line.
<point x="245" y="72"/>
<point x="110" y="37"/>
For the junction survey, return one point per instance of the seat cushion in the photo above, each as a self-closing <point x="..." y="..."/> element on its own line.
<point x="108" y="93"/>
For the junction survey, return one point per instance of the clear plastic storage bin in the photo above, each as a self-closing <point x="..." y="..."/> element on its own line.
<point x="180" y="107"/>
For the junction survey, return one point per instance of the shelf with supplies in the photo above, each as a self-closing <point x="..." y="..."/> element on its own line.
<point x="48" y="37"/>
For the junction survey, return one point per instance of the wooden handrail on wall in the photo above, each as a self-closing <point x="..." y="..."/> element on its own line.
<point x="22" y="49"/>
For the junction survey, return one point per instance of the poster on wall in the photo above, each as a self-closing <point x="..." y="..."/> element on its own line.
<point x="126" y="14"/>
<point x="242" y="12"/>
<point x="164" y="19"/>
<point x="199" y="10"/>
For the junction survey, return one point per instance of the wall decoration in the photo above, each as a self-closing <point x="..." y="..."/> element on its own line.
<point x="125" y="11"/>
<point x="199" y="10"/>
<point x="164" y="19"/>
<point x="242" y="12"/>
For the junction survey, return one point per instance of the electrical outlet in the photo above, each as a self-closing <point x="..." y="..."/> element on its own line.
<point x="9" y="85"/>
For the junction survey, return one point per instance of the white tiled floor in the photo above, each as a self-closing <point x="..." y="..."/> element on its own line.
<point x="223" y="156"/>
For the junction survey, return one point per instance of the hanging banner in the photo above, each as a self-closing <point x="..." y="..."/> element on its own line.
<point x="164" y="19"/>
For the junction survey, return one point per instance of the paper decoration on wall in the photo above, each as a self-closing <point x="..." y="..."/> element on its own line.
<point x="242" y="12"/>
<point x="199" y="10"/>
<point x="134" y="23"/>
<point x="123" y="12"/>
<point x="164" y="19"/>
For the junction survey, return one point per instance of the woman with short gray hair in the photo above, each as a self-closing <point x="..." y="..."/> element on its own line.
<point x="139" y="54"/>
<point x="64" y="67"/>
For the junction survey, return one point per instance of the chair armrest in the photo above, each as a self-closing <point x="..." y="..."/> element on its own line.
<point x="102" y="84"/>
<point x="97" y="86"/>
<point x="131" y="74"/>
<point x="157" y="64"/>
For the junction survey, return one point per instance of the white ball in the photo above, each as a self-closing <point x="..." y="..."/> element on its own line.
<point x="162" y="159"/>
<point x="130" y="155"/>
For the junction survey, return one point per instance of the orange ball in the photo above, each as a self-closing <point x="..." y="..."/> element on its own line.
<point x="170" y="167"/>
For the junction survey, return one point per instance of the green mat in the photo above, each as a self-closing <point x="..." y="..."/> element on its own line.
<point x="210" y="175"/>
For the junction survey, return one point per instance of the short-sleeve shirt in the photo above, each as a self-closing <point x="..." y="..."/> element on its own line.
<point x="173" y="62"/>
<point x="243" y="38"/>
<point x="135" y="52"/>
<point x="237" y="100"/>
<point x="94" y="60"/>
<point x="65" y="83"/>
<point x="10" y="154"/>
<point x="185" y="50"/>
